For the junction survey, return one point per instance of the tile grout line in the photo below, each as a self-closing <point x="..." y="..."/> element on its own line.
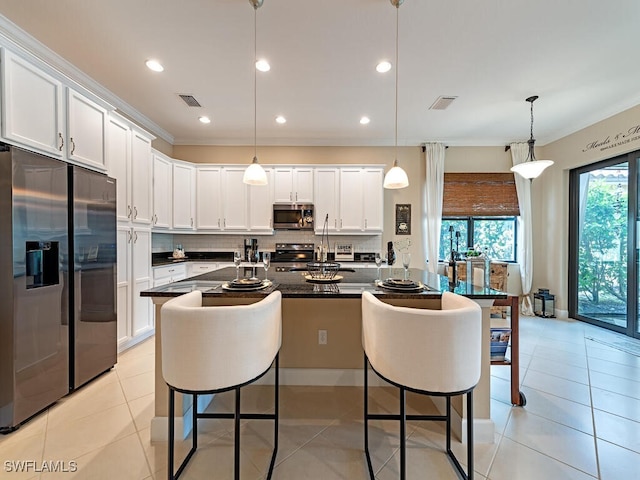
<point x="593" y="417"/>
<point x="144" y="452"/>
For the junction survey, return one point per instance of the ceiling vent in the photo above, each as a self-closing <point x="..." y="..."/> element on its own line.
<point x="442" y="102"/>
<point x="190" y="100"/>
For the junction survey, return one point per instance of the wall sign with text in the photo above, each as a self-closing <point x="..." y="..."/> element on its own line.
<point x="614" y="140"/>
<point x="403" y="219"/>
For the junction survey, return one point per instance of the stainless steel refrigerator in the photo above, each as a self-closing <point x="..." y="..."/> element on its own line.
<point x="57" y="281"/>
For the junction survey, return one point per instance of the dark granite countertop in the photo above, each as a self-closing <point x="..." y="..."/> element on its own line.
<point x="294" y="285"/>
<point x="165" y="258"/>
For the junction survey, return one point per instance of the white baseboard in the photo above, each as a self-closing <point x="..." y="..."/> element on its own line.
<point x="322" y="377"/>
<point x="483" y="428"/>
<point x="183" y="424"/>
<point x="327" y="377"/>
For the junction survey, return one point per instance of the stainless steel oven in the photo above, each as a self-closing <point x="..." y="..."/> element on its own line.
<point x="293" y="217"/>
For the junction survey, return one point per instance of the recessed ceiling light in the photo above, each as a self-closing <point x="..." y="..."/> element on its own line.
<point x="365" y="120"/>
<point x="204" y="119"/>
<point x="263" y="65"/>
<point x="280" y="119"/>
<point x="154" y="65"/>
<point x="383" y="67"/>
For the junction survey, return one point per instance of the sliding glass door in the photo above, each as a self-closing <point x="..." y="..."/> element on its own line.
<point x="603" y="263"/>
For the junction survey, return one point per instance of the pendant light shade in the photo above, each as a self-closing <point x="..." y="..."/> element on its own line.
<point x="531" y="168"/>
<point x="255" y="174"/>
<point x="396" y="177"/>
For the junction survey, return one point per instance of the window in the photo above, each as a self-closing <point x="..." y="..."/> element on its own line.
<point x="483" y="208"/>
<point x="495" y="235"/>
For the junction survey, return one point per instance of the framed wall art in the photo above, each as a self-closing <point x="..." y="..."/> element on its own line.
<point x="403" y="219"/>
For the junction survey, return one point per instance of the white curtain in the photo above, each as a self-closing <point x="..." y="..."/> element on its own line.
<point x="519" y="153"/>
<point x="434" y="185"/>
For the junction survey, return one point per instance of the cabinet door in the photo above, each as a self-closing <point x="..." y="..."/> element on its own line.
<point x="373" y="199"/>
<point x="140" y="178"/>
<point x="32" y="111"/>
<point x="86" y="124"/>
<point x="261" y="205"/>
<point x="162" y="188"/>
<point x="282" y="185"/>
<point x="123" y="284"/>
<point x="235" y="199"/>
<point x="351" y="200"/>
<point x="326" y="198"/>
<point x="303" y="181"/>
<point x="208" y="198"/>
<point x="184" y="179"/>
<point x="142" y="313"/>
<point x="118" y="164"/>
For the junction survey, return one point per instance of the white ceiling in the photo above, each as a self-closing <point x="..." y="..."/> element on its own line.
<point x="579" y="56"/>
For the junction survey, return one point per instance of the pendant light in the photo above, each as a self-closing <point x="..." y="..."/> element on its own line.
<point x="531" y="168"/>
<point x="396" y="177"/>
<point x="255" y="174"/>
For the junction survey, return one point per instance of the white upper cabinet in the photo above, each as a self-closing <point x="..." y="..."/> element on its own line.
<point x="326" y="198"/>
<point x="373" y="194"/>
<point x="351" y="199"/>
<point x="261" y="205"/>
<point x="208" y="198"/>
<point x="235" y="213"/>
<point x="118" y="154"/>
<point x="184" y="189"/>
<point x="36" y="114"/>
<point x="293" y="184"/>
<point x="32" y="106"/>
<point x="162" y="188"/>
<point x="141" y="168"/>
<point x="86" y="126"/>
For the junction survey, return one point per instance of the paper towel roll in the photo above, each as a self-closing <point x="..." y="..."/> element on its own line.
<point x="478" y="277"/>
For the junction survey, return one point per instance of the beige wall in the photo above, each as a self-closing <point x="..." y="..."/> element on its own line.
<point x="163" y="146"/>
<point x="458" y="159"/>
<point x="551" y="195"/>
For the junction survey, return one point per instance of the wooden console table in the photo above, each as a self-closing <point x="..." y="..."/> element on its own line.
<point x="517" y="397"/>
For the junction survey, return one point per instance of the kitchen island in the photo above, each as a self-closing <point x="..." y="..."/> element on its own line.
<point x="334" y="309"/>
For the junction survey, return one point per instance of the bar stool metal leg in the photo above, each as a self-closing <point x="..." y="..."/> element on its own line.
<point x="236" y="428"/>
<point x="403" y="434"/>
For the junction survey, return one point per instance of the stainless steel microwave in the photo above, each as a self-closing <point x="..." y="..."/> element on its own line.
<point x="293" y="217"/>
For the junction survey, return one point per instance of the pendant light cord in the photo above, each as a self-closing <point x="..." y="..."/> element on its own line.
<point x="396" y="119"/>
<point x="532" y="120"/>
<point x="255" y="88"/>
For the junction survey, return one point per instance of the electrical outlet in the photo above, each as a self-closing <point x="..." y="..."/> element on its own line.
<point x="322" y="337"/>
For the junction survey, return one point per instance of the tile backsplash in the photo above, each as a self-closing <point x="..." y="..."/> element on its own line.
<point x="166" y="242"/>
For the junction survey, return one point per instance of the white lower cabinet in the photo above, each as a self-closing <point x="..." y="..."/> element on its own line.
<point x="135" y="313"/>
<point x="198" y="268"/>
<point x="169" y="273"/>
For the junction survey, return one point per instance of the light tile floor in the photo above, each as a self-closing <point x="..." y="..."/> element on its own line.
<point x="581" y="421"/>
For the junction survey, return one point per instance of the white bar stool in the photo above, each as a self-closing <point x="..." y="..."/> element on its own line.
<point x="208" y="350"/>
<point x="431" y="352"/>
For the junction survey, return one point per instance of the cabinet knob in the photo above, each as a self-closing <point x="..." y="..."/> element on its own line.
<point x="128" y="211"/>
<point x="135" y="212"/>
<point x="73" y="145"/>
<point x="135" y="237"/>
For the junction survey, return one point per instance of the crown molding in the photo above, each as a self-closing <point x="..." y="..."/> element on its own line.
<point x="22" y="41"/>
